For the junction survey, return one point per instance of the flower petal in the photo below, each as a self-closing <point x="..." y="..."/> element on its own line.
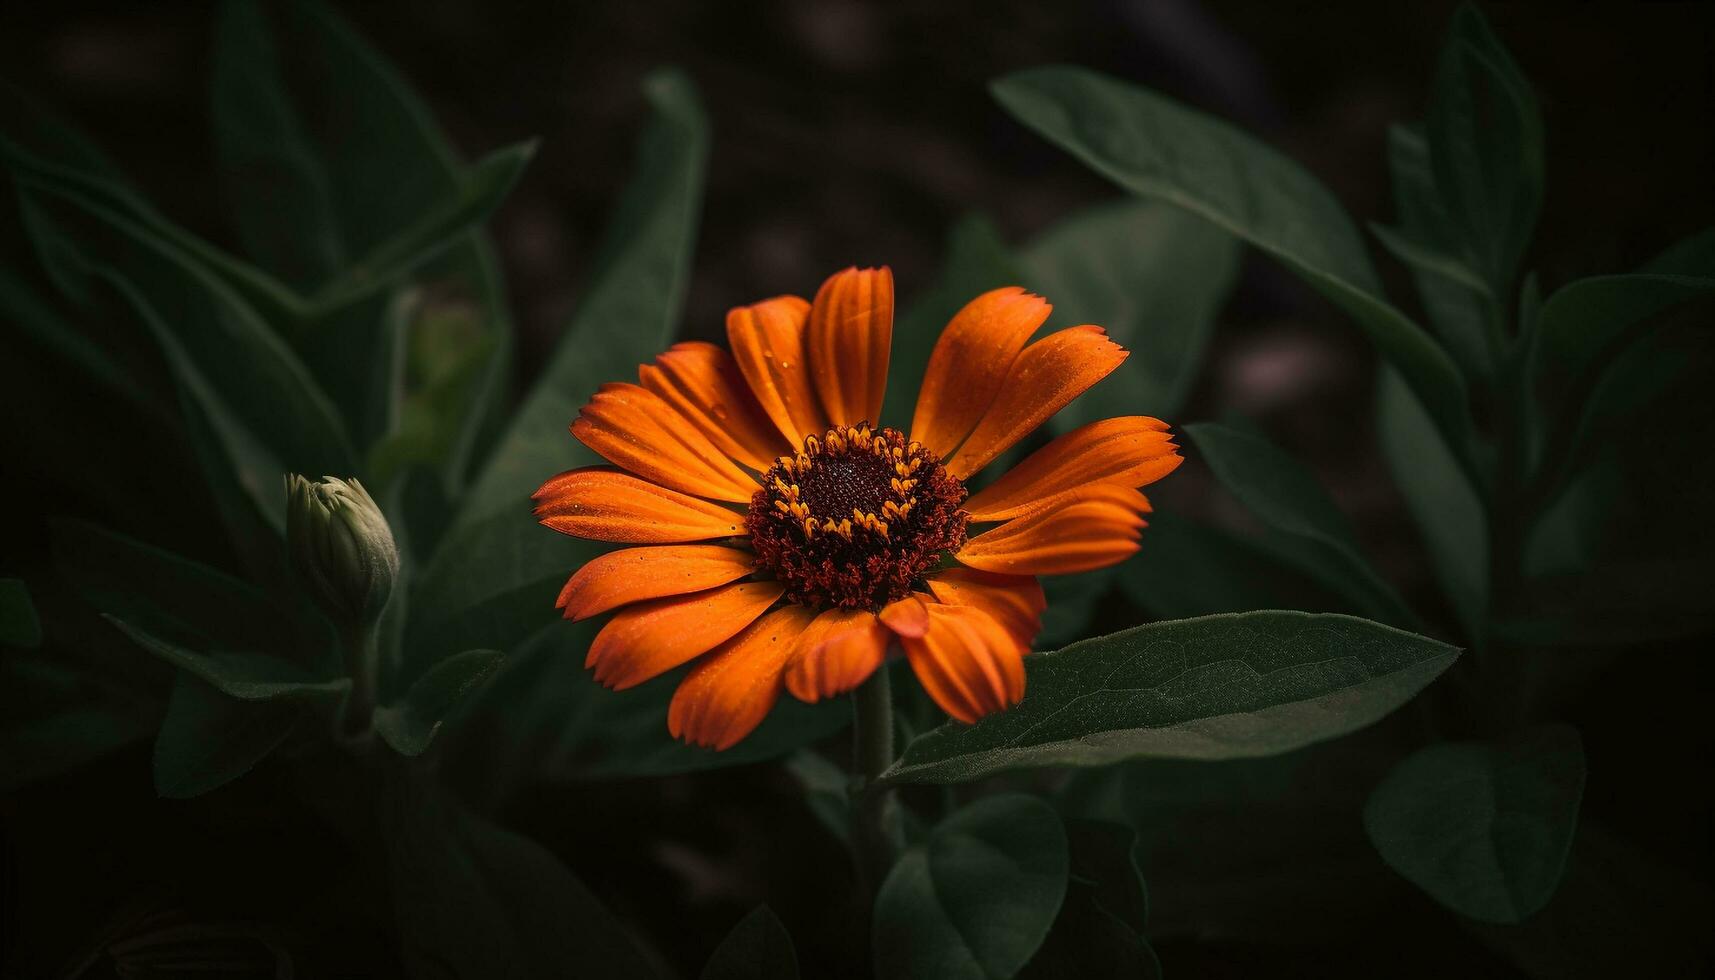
<point x="728" y="693"/>
<point x="907" y="617"/>
<point x="634" y="574"/>
<point x="970" y="362"/>
<point x="634" y="428"/>
<point x="1015" y="602"/>
<point x="604" y="504"/>
<point x="1092" y="527"/>
<point x="769" y="344"/>
<point x="650" y="638"/>
<point x="1132" y="452"/>
<point x="838" y="651"/>
<point x="1046" y="377"/>
<point x="970" y="664"/>
<point x="850" y="336"/>
<point x="704" y="384"/>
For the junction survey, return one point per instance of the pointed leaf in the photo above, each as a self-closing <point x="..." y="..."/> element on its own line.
<point x="758" y="948"/>
<point x="244" y="675"/>
<point x="410" y="724"/>
<point x="209" y="739"/>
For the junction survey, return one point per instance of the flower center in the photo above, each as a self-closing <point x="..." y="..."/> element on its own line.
<point x="856" y="518"/>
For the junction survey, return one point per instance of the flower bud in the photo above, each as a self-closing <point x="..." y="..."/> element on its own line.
<point x="342" y="547"/>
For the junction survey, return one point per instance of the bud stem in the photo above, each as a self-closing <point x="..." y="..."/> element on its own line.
<point x="363" y="665"/>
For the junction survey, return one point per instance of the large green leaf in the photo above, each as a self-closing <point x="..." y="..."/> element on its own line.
<point x="1154" y="277"/>
<point x="1154" y="147"/>
<point x="475" y="901"/>
<point x="208" y="739"/>
<point x="1449" y="513"/>
<point x="493" y="578"/>
<point x="1484" y="828"/>
<point x="1286" y="496"/>
<point x="1583" y="320"/>
<point x="410" y="724"/>
<point x="1220" y="687"/>
<point x="978" y="898"/>
<point x="758" y="948"/>
<point x="241" y="674"/>
<point x="1486" y="147"/>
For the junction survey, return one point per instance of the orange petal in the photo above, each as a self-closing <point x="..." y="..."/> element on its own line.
<point x="1132" y="452"/>
<point x="604" y="504"/>
<point x="1015" y="602"/>
<point x="768" y="343"/>
<point x="634" y="574"/>
<point x="970" y="362"/>
<point x="633" y="427"/>
<point x="728" y="693"/>
<point x="651" y="638"/>
<point x="839" y="651"/>
<point x="907" y="617"/>
<point x="704" y="384"/>
<point x="1092" y="527"/>
<point x="851" y="333"/>
<point x="1042" y="381"/>
<point x="970" y="664"/>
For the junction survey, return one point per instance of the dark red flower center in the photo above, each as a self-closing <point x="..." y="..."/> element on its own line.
<point x="856" y="518"/>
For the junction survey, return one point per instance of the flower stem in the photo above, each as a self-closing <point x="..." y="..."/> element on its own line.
<point x="872" y="806"/>
<point x="363" y="666"/>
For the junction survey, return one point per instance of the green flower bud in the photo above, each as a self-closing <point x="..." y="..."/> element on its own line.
<point x="342" y="547"/>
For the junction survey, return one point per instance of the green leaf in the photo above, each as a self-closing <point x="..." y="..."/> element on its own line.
<point x="825" y="787"/>
<point x="1486" y="147"/>
<point x="1484" y="828"/>
<point x="493" y="578"/>
<point x="1220" y="687"/>
<point x="1099" y="932"/>
<point x="1156" y="148"/>
<point x="1104" y="858"/>
<point x="977" y="900"/>
<point x="758" y="948"/>
<point x="475" y="900"/>
<point x="410" y="725"/>
<point x="239" y="674"/>
<point x="1583" y="321"/>
<point x="1187" y="569"/>
<point x="19" y="625"/>
<point x="1286" y="496"/>
<point x="55" y="716"/>
<point x="977" y="260"/>
<point x="208" y="739"/>
<point x="1449" y="513"/>
<point x="1154" y="277"/>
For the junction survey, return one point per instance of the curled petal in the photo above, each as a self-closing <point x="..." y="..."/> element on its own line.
<point x="650" y="638"/>
<point x="968" y="367"/>
<point x="1092" y="528"/>
<point x="603" y="504"/>
<point x="1016" y="602"/>
<point x="634" y="428"/>
<point x="1044" y="378"/>
<point x="907" y="617"/>
<point x="728" y="693"/>
<point x="630" y="575"/>
<point x="838" y="651"/>
<point x="1130" y="452"/>
<point x="769" y="344"/>
<point x="703" y="383"/>
<point x="970" y="664"/>
<point x="850" y="336"/>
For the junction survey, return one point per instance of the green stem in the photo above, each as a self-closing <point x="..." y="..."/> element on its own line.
<point x="363" y="666"/>
<point x="872" y="806"/>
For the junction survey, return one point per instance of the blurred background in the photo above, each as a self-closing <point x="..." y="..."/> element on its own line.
<point x="845" y="132"/>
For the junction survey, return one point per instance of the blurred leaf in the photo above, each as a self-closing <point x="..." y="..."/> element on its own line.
<point x="1583" y="321"/>
<point x="1154" y="277"/>
<point x="1220" y="687"/>
<point x="1449" y="513"/>
<point x="19" y="625"/>
<point x="240" y="674"/>
<point x="1694" y="256"/>
<point x="825" y="791"/>
<point x="976" y="261"/>
<point x="978" y="899"/>
<point x="1286" y="496"/>
<point x="31" y="313"/>
<point x="55" y="717"/>
<point x="1072" y="603"/>
<point x="208" y="739"/>
<point x="493" y="578"/>
<point x="1099" y="932"/>
<point x="1104" y="857"/>
<point x="411" y="723"/>
<point x="1461" y="306"/>
<point x="1187" y="569"/>
<point x="1486" y="147"/>
<point x="1484" y="828"/>
<point x="475" y="901"/>
<point x="1157" y="148"/>
<point x="758" y="948"/>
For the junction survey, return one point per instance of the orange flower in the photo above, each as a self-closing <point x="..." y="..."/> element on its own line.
<point x="787" y="541"/>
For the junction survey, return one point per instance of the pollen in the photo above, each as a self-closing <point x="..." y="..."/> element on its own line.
<point x="856" y="518"/>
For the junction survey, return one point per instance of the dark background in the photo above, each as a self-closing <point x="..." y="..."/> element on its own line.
<point x="848" y="133"/>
